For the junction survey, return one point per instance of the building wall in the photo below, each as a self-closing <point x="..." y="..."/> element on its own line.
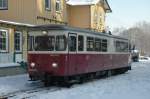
<point x="98" y="17"/>
<point x="79" y="16"/>
<point x="9" y="55"/>
<point x="92" y="17"/>
<point x="22" y="11"/>
<point x="27" y="11"/>
<point x="51" y="16"/>
<point x="6" y="57"/>
<point x="25" y="48"/>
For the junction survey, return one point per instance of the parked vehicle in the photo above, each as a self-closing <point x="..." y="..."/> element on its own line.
<point x="62" y="54"/>
<point x="135" y="55"/>
<point x="144" y="58"/>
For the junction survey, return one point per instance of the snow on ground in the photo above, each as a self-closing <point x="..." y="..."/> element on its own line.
<point x="9" y="64"/>
<point x="16" y="83"/>
<point x="134" y="84"/>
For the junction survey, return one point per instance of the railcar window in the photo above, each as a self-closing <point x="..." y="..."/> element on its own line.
<point x="97" y="44"/>
<point x="80" y="43"/>
<point x="72" y="43"/>
<point x="121" y="46"/>
<point x="104" y="45"/>
<point x="31" y="43"/>
<point x="90" y="44"/>
<point x="126" y="47"/>
<point x="61" y="43"/>
<point x="44" y="43"/>
<point x="51" y="43"/>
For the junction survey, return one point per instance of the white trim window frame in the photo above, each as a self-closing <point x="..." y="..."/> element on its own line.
<point x="3" y="40"/>
<point x="3" y="4"/>
<point x="58" y="5"/>
<point x="18" y="41"/>
<point x="48" y="5"/>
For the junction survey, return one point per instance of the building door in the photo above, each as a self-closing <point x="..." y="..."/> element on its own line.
<point x="18" y="55"/>
<point x="72" y="54"/>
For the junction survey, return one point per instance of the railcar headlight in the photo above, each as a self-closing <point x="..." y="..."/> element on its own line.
<point x="32" y="65"/>
<point x="54" y="65"/>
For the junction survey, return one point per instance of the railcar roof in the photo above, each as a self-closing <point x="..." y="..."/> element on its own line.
<point x="68" y="28"/>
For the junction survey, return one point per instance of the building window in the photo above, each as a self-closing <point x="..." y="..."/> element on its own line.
<point x="48" y="4"/>
<point x="3" y="4"/>
<point x="3" y="41"/>
<point x="58" y="5"/>
<point x="18" y="41"/>
<point x="121" y="46"/>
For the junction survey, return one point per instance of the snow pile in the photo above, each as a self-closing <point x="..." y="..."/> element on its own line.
<point x="9" y="64"/>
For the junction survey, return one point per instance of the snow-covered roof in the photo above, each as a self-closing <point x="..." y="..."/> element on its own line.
<point x="16" y="23"/>
<point x="89" y="2"/>
<point x="82" y="2"/>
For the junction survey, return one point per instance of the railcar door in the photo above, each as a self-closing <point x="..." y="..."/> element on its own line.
<point x="72" y="53"/>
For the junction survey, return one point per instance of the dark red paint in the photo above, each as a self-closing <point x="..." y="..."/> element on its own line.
<point x="74" y="64"/>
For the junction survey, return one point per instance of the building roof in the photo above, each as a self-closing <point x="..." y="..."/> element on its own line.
<point x="82" y="2"/>
<point x="16" y="23"/>
<point x="89" y="2"/>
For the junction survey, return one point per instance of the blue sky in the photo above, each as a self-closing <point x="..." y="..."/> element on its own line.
<point x="127" y="13"/>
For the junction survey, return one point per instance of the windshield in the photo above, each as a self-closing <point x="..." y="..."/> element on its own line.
<point x="44" y="43"/>
<point x="47" y="43"/>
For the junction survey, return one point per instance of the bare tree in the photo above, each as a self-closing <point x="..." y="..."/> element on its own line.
<point x="139" y="35"/>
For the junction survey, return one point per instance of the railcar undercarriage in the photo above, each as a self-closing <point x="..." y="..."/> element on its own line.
<point x="67" y="81"/>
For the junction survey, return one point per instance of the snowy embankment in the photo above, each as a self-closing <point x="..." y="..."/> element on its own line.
<point x="134" y="84"/>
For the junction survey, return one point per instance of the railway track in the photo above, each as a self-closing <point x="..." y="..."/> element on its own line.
<point x="28" y="93"/>
<point x="24" y="94"/>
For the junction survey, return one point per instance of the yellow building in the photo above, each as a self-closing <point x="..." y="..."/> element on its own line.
<point x="35" y="12"/>
<point x="17" y="15"/>
<point x="88" y="14"/>
<point x="13" y="47"/>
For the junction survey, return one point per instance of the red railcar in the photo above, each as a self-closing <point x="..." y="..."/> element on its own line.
<point x="60" y="53"/>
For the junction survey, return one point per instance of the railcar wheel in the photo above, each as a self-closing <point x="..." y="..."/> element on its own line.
<point x="92" y="76"/>
<point x="68" y="84"/>
<point x="31" y="78"/>
<point x="123" y="70"/>
<point x="46" y="84"/>
<point x="81" y="79"/>
<point x="47" y="80"/>
<point x="109" y="73"/>
<point x="65" y="82"/>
